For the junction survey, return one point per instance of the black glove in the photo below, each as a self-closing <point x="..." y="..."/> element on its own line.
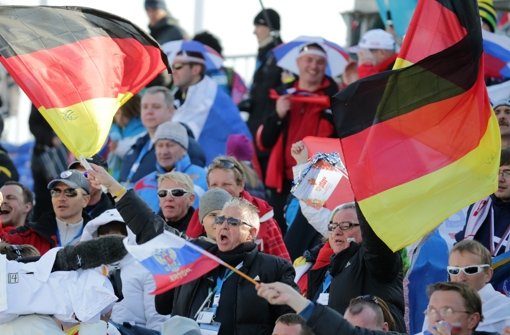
<point x="90" y="254"/>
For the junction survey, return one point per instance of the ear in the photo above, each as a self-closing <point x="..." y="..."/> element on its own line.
<point x="253" y="233"/>
<point x="488" y="274"/>
<point x="191" y="198"/>
<point x="86" y="199"/>
<point x="28" y="207"/>
<point x="473" y="320"/>
<point x="385" y="327"/>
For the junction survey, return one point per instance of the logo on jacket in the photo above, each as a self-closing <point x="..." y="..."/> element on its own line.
<point x="13" y="278"/>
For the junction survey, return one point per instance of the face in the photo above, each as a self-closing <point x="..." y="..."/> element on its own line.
<point x="228" y="237"/>
<point x="154" y="15"/>
<point x="262" y="33"/>
<point x="462" y="259"/>
<point x="69" y="209"/>
<point x="209" y="225"/>
<point x="283" y="329"/>
<point x="340" y="239"/>
<point x="155" y="111"/>
<point x="365" y="319"/>
<point x="503" y="115"/>
<point x="462" y="323"/>
<point x="174" y="208"/>
<point x="311" y="69"/>
<point x="225" y="179"/>
<point x="503" y="192"/>
<point x="14" y="210"/>
<point x="185" y="75"/>
<point x="168" y="153"/>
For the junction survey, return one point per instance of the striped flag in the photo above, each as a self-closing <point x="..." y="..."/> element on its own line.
<point x="421" y="142"/>
<point x="172" y="261"/>
<point x="78" y="66"/>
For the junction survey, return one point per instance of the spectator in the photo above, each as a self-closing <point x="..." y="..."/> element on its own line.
<point x="69" y="195"/>
<point x="157" y="107"/>
<point x="16" y="207"/>
<point x="171" y="145"/>
<point x="502" y="111"/>
<point x="226" y="173"/>
<point x="203" y="107"/>
<point x="127" y="127"/>
<point x="291" y="121"/>
<point x="291" y="324"/>
<point x="162" y="26"/>
<point x="488" y="220"/>
<point x="226" y="77"/>
<point x="371" y="312"/>
<point x="377" y="52"/>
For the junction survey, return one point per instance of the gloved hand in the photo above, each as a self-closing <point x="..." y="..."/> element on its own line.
<point x="90" y="254"/>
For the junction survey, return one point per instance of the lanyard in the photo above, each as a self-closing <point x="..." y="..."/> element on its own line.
<point x="495" y="246"/>
<point x="216" y="292"/>
<point x="327" y="282"/>
<point x="136" y="164"/>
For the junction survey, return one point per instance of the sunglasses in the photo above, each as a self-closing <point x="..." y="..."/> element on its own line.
<point x="468" y="270"/>
<point x="234" y="222"/>
<point x="225" y="164"/>
<point x="444" y="312"/>
<point x="179" y="66"/>
<point x="174" y="192"/>
<point x="344" y="225"/>
<point x="68" y="192"/>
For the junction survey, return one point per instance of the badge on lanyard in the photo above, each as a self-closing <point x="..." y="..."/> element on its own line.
<point x="205" y="316"/>
<point x="323" y="299"/>
<point x="210" y="328"/>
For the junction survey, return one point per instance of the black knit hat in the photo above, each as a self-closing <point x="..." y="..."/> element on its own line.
<point x="155" y="4"/>
<point x="273" y="16"/>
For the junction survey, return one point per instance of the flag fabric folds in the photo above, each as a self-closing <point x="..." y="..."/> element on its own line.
<point x="78" y="66"/>
<point x="172" y="261"/>
<point x="421" y="142"/>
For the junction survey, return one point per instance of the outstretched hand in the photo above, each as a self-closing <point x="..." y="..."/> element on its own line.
<point x="278" y="293"/>
<point x="99" y="176"/>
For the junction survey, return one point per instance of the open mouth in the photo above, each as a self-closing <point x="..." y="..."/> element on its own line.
<point x="223" y="237"/>
<point x="4" y="211"/>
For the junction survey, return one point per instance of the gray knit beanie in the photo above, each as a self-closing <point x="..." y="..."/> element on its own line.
<point x="212" y="200"/>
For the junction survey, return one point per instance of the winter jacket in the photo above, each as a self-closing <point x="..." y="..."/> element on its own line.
<point x="303" y="119"/>
<point x="269" y="234"/>
<point x="240" y="310"/>
<point x="166" y="30"/>
<point x="366" y="268"/>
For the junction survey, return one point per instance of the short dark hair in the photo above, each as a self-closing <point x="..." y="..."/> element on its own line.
<point x="290" y="319"/>
<point x="210" y="40"/>
<point x="472" y="301"/>
<point x="169" y="98"/>
<point x="505" y="157"/>
<point x="28" y="196"/>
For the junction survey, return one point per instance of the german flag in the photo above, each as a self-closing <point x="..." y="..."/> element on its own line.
<point x="421" y="143"/>
<point x="78" y="66"/>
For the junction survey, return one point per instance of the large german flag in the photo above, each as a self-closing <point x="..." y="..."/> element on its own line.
<point x="421" y="143"/>
<point x="78" y="66"/>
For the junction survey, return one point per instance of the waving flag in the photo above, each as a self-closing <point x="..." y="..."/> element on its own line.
<point x="496" y="55"/>
<point x="421" y="142"/>
<point x="78" y="66"/>
<point x="172" y="260"/>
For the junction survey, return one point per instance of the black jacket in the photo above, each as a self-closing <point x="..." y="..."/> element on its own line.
<point x="240" y="310"/>
<point x="166" y="30"/>
<point x="369" y="268"/>
<point x="8" y="170"/>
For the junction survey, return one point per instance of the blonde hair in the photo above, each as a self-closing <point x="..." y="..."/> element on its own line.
<point x="180" y="178"/>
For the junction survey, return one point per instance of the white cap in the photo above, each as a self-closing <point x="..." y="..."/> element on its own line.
<point x="377" y="39"/>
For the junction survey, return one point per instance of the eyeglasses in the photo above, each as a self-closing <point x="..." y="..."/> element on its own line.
<point x="444" y="312"/>
<point x="468" y="270"/>
<point x="179" y="66"/>
<point x="230" y="221"/>
<point x="174" y="192"/>
<point x="344" y="225"/>
<point x="504" y="173"/>
<point x="68" y="192"/>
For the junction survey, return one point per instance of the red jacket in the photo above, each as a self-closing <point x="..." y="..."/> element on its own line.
<point x="269" y="232"/>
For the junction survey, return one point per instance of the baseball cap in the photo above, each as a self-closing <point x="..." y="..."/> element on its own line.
<point x="72" y="178"/>
<point x="377" y="39"/>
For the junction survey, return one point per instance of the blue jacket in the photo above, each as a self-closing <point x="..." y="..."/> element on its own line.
<point x="148" y="161"/>
<point x="147" y="187"/>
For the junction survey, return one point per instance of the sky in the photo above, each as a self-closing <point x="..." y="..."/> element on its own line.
<point x="230" y="20"/>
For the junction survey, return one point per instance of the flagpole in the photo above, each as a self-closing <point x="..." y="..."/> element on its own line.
<point x="242" y="274"/>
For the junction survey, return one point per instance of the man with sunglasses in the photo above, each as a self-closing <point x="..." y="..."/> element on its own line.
<point x="470" y="263"/>
<point x="203" y="107"/>
<point x="227" y="173"/>
<point x="171" y="143"/>
<point x="70" y="194"/>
